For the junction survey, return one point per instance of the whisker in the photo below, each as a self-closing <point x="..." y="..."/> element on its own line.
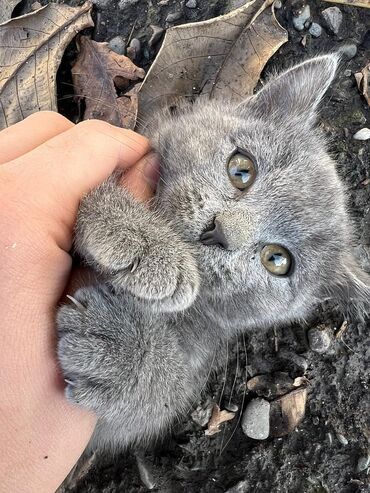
<point x="225" y="374"/>
<point x="243" y="399"/>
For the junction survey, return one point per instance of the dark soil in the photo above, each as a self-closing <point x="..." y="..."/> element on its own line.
<point x="322" y="454"/>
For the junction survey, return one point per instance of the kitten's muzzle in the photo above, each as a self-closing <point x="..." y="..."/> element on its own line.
<point x="230" y="231"/>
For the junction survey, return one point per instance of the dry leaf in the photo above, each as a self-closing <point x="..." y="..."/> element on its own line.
<point x="287" y="412"/>
<point x="224" y="55"/>
<point x="31" y="47"/>
<point x="96" y="74"/>
<point x="362" y="80"/>
<point x="352" y="3"/>
<point x="218" y="417"/>
<point x="6" y="9"/>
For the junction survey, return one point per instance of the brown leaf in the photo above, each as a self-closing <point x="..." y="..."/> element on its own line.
<point x="31" y="47"/>
<point x="363" y="80"/>
<point x="96" y="74"/>
<point x="6" y="9"/>
<point x="224" y="55"/>
<point x="287" y="412"/>
<point x="352" y="3"/>
<point x="218" y="417"/>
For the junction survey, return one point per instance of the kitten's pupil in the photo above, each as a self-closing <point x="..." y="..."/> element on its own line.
<point x="244" y="175"/>
<point x="278" y="259"/>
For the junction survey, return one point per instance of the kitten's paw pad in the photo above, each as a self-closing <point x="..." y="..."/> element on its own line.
<point x="169" y="281"/>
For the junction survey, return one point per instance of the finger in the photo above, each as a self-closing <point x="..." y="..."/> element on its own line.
<point x="30" y="133"/>
<point x="52" y="178"/>
<point x="142" y="178"/>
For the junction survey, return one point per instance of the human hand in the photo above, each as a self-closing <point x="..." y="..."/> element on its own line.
<point x="46" y="165"/>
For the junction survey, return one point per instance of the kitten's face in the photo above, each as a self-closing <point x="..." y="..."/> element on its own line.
<point x="294" y="204"/>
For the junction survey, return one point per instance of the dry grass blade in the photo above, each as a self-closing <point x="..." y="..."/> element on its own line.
<point x="31" y="47"/>
<point x="352" y="3"/>
<point x="96" y="74"/>
<point x="218" y="417"/>
<point x="6" y="9"/>
<point x="224" y="55"/>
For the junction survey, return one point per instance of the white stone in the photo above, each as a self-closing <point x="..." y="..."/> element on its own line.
<point x="256" y="419"/>
<point x="363" y="134"/>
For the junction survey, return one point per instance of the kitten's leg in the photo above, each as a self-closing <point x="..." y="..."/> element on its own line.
<point x="124" y="364"/>
<point x="126" y="242"/>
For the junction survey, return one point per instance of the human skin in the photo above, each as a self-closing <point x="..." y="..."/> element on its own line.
<point x="47" y="164"/>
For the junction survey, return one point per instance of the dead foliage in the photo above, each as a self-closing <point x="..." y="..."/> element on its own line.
<point x="218" y="417"/>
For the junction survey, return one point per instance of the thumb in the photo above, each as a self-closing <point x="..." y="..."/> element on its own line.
<point x="141" y="179"/>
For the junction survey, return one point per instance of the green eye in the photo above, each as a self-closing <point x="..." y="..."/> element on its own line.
<point x="276" y="259"/>
<point x="241" y="171"/>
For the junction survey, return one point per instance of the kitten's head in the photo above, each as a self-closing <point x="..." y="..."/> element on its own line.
<point x="254" y="190"/>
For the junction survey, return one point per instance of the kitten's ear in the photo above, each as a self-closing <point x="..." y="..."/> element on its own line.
<point x="296" y="92"/>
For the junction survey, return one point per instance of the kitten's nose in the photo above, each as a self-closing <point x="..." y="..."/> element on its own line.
<point x="215" y="236"/>
<point x="231" y="230"/>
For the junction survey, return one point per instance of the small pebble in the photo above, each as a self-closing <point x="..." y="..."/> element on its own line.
<point x="126" y="3"/>
<point x="347" y="72"/>
<point x="318" y="340"/>
<point x="157" y="33"/>
<point x="163" y="3"/>
<point x="256" y="419"/>
<point x="278" y="4"/>
<point x="363" y="134"/>
<point x="191" y="4"/>
<point x="300" y="20"/>
<point x="241" y="487"/>
<point x="173" y="17"/>
<point x="202" y="414"/>
<point x="363" y="463"/>
<point x="118" y="45"/>
<point x="333" y="17"/>
<point x="348" y="51"/>
<point x="358" y="117"/>
<point x="233" y="408"/>
<point x="36" y="6"/>
<point x="342" y="439"/>
<point x="133" y="51"/>
<point x="315" y="30"/>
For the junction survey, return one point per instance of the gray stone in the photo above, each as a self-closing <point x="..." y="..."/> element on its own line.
<point x="363" y="134"/>
<point x="315" y="30"/>
<point x="300" y="20"/>
<point x="347" y="72"/>
<point x="156" y="36"/>
<point x="256" y="419"/>
<point x="133" y="51"/>
<point x="278" y="4"/>
<point x="363" y="463"/>
<point x="342" y="439"/>
<point x="173" y="17"/>
<point x="319" y="340"/>
<point x="348" y="50"/>
<point x="191" y="4"/>
<point x="333" y="17"/>
<point x="118" y="45"/>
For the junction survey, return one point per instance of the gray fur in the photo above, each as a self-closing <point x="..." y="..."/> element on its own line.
<point x="140" y="352"/>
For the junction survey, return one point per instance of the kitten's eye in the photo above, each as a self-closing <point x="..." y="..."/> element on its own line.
<point x="276" y="259"/>
<point x="241" y="170"/>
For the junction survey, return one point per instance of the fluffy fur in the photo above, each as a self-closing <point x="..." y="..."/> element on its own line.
<point x="139" y="350"/>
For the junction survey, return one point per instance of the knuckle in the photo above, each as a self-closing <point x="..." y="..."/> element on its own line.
<point x="51" y="118"/>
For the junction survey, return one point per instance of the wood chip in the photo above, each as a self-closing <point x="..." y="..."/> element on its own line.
<point x="287" y="412"/>
<point x="218" y="417"/>
<point x="362" y="80"/>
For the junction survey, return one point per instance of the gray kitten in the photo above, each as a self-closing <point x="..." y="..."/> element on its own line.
<point x="248" y="229"/>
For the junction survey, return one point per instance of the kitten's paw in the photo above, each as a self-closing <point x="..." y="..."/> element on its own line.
<point x="84" y="350"/>
<point x="166" y="275"/>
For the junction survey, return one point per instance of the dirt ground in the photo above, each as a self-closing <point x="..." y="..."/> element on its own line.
<point x="328" y="449"/>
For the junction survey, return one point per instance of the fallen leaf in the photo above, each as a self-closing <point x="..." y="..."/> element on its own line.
<point x="287" y="412"/>
<point x="218" y="417"/>
<point x="96" y="74"/>
<point x="352" y="3"/>
<point x="362" y="80"/>
<point x="6" y="9"/>
<point x="220" y="56"/>
<point x="31" y="47"/>
<point x="270" y="385"/>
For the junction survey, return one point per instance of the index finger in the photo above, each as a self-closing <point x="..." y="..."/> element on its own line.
<point x="53" y="178"/>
